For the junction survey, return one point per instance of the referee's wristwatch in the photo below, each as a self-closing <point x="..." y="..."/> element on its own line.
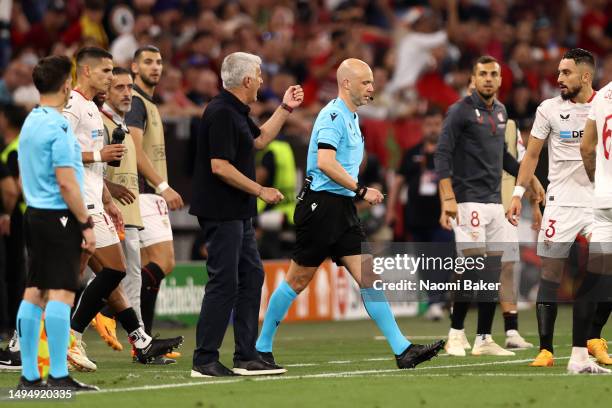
<point x="87" y="224"/>
<point x="361" y="190"/>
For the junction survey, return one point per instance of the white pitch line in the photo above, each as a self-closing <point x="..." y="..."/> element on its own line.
<point x="335" y="375"/>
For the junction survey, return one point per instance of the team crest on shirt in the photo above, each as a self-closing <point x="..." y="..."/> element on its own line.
<point x="474" y="235"/>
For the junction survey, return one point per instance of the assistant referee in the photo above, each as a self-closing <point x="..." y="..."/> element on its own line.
<point x="57" y="227"/>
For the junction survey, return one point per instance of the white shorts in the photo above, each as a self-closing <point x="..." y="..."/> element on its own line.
<point x="104" y="230"/>
<point x="155" y="219"/>
<point x="601" y="237"/>
<point x="481" y="225"/>
<point x="560" y="226"/>
<point x="511" y="247"/>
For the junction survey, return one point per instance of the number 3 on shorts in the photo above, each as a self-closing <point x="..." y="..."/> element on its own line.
<point x="550" y="231"/>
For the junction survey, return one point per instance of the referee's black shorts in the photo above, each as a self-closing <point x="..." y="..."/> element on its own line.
<point x="326" y="225"/>
<point x="53" y="242"/>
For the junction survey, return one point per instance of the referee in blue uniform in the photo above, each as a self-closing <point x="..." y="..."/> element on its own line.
<point x="57" y="227"/>
<point x="326" y="219"/>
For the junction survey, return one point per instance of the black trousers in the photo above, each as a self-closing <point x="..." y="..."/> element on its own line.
<point x="235" y="279"/>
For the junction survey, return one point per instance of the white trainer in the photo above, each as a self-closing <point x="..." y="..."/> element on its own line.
<point x="455" y="344"/>
<point x="77" y="357"/>
<point x="585" y="367"/>
<point x="515" y="341"/>
<point x="488" y="347"/>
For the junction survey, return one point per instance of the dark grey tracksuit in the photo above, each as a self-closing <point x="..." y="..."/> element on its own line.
<point x="472" y="150"/>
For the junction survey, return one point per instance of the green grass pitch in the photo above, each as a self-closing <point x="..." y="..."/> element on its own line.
<point x="345" y="364"/>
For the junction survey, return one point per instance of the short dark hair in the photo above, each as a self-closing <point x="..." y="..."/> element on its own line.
<point x="121" y="71"/>
<point x="580" y="56"/>
<point x="150" y="48"/>
<point x="484" y="59"/>
<point x="14" y="114"/>
<point x="50" y="74"/>
<point x="92" y="52"/>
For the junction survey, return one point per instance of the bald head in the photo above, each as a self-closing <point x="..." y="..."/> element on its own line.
<point x="352" y="68"/>
<point x="355" y="82"/>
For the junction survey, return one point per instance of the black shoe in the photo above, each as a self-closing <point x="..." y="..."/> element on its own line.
<point x="68" y="383"/>
<point x="415" y="354"/>
<point x="267" y="357"/>
<point x="161" y="360"/>
<point x="10" y="360"/>
<point x="158" y="347"/>
<point x="214" y="369"/>
<point x="25" y="384"/>
<point x="257" y="367"/>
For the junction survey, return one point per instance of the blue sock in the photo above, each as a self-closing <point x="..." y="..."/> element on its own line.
<point x="28" y="328"/>
<point x="57" y="324"/>
<point x="378" y="308"/>
<point x="280" y="301"/>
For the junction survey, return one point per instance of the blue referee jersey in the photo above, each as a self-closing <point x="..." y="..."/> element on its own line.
<point x="338" y="127"/>
<point x="46" y="142"/>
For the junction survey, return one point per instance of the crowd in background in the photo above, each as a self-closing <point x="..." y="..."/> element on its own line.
<point x="420" y="51"/>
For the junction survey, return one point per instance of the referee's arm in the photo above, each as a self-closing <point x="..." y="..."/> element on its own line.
<point x="327" y="163"/>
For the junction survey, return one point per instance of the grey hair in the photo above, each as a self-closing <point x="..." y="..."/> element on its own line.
<point x="236" y="66"/>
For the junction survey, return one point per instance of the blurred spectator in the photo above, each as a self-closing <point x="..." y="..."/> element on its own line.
<point x="521" y="106"/>
<point x="416" y="172"/>
<point x="124" y="46"/>
<point x="174" y="102"/>
<point x="45" y="33"/>
<point x="606" y="72"/>
<point x="88" y="26"/>
<point x="419" y="37"/>
<point x="593" y="27"/>
<point x="422" y="208"/>
<point x="204" y="88"/>
<point x="17" y="75"/>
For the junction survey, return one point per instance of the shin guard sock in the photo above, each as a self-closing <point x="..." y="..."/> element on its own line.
<point x="128" y="320"/>
<point x="94" y="297"/>
<point x="487" y="299"/>
<point x="462" y="300"/>
<point x="107" y="311"/>
<point x="511" y="320"/>
<point x="57" y="325"/>
<point x="279" y="304"/>
<point x="600" y="319"/>
<point x="546" y="313"/>
<point x="486" y="313"/>
<point x="585" y="305"/>
<point x="28" y="329"/>
<point x="152" y="276"/>
<point x="460" y="310"/>
<point x="379" y="310"/>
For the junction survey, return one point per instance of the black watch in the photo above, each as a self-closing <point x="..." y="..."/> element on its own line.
<point x="87" y="224"/>
<point x="361" y="190"/>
